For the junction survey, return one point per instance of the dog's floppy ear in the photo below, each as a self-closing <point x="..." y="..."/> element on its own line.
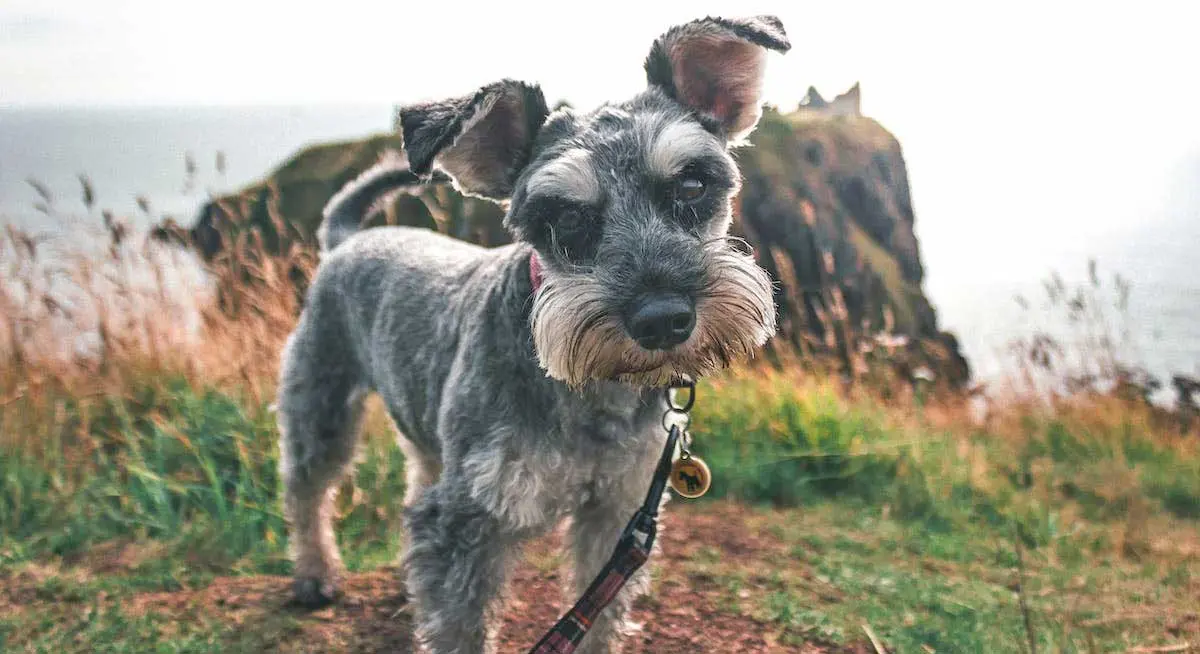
<point x="482" y="141"/>
<point x="716" y="65"/>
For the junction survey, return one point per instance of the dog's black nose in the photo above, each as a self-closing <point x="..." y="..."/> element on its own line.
<point x="660" y="321"/>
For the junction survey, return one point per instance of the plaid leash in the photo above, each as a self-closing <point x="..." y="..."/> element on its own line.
<point x="627" y="557"/>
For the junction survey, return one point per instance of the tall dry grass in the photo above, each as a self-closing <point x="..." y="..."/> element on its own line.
<point x="91" y="308"/>
<point x="135" y="382"/>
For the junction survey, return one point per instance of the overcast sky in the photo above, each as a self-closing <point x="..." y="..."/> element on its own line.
<point x="1064" y="117"/>
<point x="238" y="52"/>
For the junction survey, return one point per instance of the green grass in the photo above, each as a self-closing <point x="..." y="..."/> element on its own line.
<point x="794" y="443"/>
<point x="842" y="567"/>
<point x="112" y="628"/>
<point x="907" y="527"/>
<point x="914" y="530"/>
<point x="192" y="469"/>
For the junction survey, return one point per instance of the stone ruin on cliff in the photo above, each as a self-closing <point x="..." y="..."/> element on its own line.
<point x="846" y="104"/>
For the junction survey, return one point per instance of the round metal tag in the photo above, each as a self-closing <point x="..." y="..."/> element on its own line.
<point x="690" y="477"/>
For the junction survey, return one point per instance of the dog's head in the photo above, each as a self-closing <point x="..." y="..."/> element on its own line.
<point x="627" y="207"/>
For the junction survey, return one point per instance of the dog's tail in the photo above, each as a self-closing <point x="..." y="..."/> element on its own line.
<point x="362" y="198"/>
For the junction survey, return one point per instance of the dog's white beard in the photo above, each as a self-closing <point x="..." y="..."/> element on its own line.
<point x="579" y="340"/>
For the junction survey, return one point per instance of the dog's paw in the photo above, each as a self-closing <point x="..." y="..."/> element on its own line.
<point x="313" y="593"/>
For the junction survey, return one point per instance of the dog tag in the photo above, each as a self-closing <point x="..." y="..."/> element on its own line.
<point x="690" y="476"/>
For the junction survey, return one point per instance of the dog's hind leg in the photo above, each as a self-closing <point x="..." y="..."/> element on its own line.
<point x="320" y="406"/>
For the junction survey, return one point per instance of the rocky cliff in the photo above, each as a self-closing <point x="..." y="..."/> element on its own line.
<point x="825" y="204"/>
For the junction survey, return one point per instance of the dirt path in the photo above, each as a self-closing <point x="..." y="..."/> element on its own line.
<point x="687" y="612"/>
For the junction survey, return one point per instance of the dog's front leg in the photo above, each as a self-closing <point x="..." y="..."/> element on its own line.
<point x="595" y="528"/>
<point x="455" y="568"/>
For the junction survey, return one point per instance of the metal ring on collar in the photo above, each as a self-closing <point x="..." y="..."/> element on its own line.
<point x="691" y="398"/>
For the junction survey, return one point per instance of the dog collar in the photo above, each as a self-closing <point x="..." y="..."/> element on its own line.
<point x="535" y="271"/>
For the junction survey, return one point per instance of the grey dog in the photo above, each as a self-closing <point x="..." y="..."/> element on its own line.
<point x="525" y="380"/>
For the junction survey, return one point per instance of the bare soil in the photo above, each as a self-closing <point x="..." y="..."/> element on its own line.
<point x="684" y="613"/>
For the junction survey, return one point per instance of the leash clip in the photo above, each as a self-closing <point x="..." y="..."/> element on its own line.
<point x="642" y="525"/>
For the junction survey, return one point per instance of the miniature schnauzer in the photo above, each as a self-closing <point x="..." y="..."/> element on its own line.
<point x="526" y="379"/>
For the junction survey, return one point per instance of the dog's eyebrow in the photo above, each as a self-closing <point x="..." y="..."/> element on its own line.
<point x="676" y="144"/>
<point x="569" y="176"/>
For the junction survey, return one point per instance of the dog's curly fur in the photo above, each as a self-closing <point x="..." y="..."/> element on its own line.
<point x="524" y="399"/>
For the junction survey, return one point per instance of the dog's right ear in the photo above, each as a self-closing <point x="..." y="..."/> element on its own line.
<point x="482" y="141"/>
<point x="716" y="65"/>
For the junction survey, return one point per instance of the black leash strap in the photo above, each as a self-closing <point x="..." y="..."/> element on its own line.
<point x="627" y="557"/>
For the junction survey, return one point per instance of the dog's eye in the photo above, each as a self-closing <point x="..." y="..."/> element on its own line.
<point x="570" y="220"/>
<point x="689" y="189"/>
<point x="573" y="232"/>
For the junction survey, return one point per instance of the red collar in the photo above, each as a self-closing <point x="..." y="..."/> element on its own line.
<point x="535" y="271"/>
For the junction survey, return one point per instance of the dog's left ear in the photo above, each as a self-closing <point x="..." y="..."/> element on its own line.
<point x="716" y="66"/>
<point x="482" y="141"/>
